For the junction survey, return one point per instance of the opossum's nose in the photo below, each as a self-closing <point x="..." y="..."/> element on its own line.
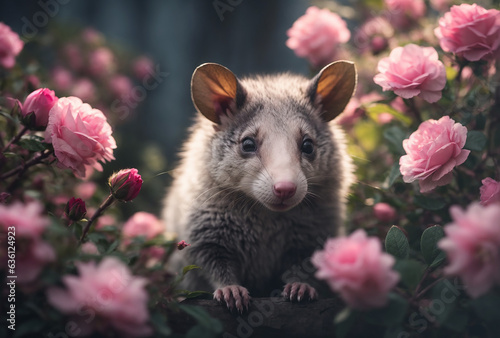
<point x="284" y="190"/>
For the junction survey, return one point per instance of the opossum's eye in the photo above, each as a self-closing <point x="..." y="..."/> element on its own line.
<point x="307" y="146"/>
<point x="248" y="145"/>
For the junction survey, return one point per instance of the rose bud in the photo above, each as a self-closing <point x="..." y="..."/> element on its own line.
<point x="182" y="244"/>
<point x="384" y="212"/>
<point x="125" y="184"/>
<point x="75" y="209"/>
<point x="36" y="107"/>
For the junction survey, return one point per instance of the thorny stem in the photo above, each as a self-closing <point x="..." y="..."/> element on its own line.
<point x="23" y="167"/>
<point x="107" y="202"/>
<point x="16" y="138"/>
<point x="413" y="108"/>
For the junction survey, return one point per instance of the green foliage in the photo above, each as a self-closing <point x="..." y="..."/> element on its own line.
<point x="428" y="245"/>
<point x="396" y="243"/>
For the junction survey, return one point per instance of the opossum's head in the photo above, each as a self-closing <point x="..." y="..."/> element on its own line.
<point x="272" y="140"/>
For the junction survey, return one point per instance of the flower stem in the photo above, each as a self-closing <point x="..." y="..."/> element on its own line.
<point x="107" y="202"/>
<point x="23" y="167"/>
<point x="413" y="108"/>
<point x="16" y="138"/>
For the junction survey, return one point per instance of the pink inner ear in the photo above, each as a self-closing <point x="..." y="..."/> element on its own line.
<point x="223" y="106"/>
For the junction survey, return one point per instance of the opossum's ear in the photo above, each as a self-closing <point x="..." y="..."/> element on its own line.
<point x="216" y="92"/>
<point x="333" y="87"/>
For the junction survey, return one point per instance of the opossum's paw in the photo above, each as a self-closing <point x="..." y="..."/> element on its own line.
<point x="299" y="292"/>
<point x="235" y="297"/>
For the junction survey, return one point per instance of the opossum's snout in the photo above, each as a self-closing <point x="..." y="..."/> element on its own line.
<point x="279" y="182"/>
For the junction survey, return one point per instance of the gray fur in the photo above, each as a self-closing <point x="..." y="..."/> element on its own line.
<point x="234" y="237"/>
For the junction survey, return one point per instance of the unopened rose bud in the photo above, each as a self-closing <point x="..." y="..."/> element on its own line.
<point x="182" y="244"/>
<point x="75" y="209"/>
<point x="36" y="107"/>
<point x="125" y="184"/>
<point x="378" y="44"/>
<point x="384" y="212"/>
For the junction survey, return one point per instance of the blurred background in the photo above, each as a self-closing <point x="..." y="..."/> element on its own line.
<point x="176" y="36"/>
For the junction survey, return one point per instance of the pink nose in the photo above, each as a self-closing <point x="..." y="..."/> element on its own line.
<point x="284" y="190"/>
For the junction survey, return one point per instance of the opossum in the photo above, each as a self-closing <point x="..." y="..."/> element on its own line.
<point x="262" y="180"/>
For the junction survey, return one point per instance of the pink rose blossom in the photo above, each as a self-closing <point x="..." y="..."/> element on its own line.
<point x="101" y="62"/>
<point x="126" y="184"/>
<point x="62" y="78"/>
<point x="384" y="212"/>
<point x="470" y="31"/>
<point x="490" y="191"/>
<point x="143" y="67"/>
<point x="432" y="152"/>
<point x="403" y="13"/>
<point x="73" y="56"/>
<point x="316" y="35"/>
<point x="472" y="244"/>
<point x="89" y="248"/>
<point x="86" y="190"/>
<point x="10" y="46"/>
<point x="374" y="35"/>
<point x="182" y="245"/>
<point x="120" y="86"/>
<point x="32" y="253"/>
<point x="412" y="70"/>
<point x="142" y="224"/>
<point x="441" y="5"/>
<point x="39" y="102"/>
<point x="92" y="36"/>
<point x="358" y="269"/>
<point x="80" y="135"/>
<point x="115" y="296"/>
<point x="84" y="89"/>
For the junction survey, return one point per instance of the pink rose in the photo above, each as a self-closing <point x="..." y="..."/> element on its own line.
<point x="80" y="135"/>
<point x="374" y="35"/>
<point x="32" y="253"/>
<point x="73" y="55"/>
<point x="10" y="46"/>
<point x="89" y="248"/>
<point x="316" y="36"/>
<point x="101" y="62"/>
<point x="490" y="191"/>
<point x="358" y="269"/>
<point x="39" y="102"/>
<point x="143" y="67"/>
<point x="403" y="13"/>
<point x="86" y="190"/>
<point x="120" y="86"/>
<point x="62" y="78"/>
<point x="84" y="89"/>
<point x="384" y="212"/>
<point x="92" y="37"/>
<point x="126" y="184"/>
<point x="412" y="70"/>
<point x="115" y="296"/>
<point x="432" y="152"/>
<point x="470" y="31"/>
<point x="441" y="5"/>
<point x="182" y="245"/>
<point x="142" y="224"/>
<point x="472" y="244"/>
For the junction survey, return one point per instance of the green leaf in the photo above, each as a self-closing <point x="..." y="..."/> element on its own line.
<point x="374" y="110"/>
<point x="476" y="140"/>
<point x="411" y="272"/>
<point x="392" y="314"/>
<point x="396" y="243"/>
<point x="395" y="136"/>
<point x="160" y="324"/>
<point x="394" y="174"/>
<point x="429" y="203"/>
<point x="188" y="268"/>
<point x="33" y="143"/>
<point x="113" y="246"/>
<point x="203" y="318"/>
<point x="428" y="245"/>
<point x="343" y="322"/>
